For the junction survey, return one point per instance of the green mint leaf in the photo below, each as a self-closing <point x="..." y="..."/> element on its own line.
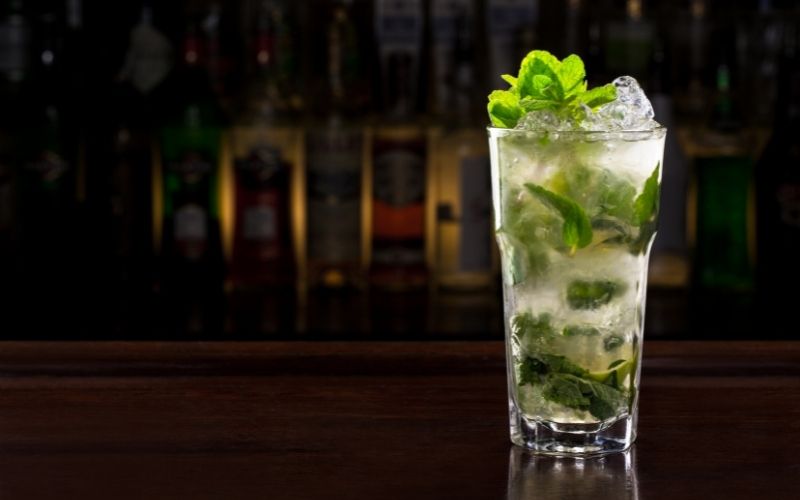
<point x="572" y="75"/>
<point x="612" y="342"/>
<point x="601" y="400"/>
<point x="530" y="371"/>
<point x="530" y="327"/>
<point x="580" y="331"/>
<point x="611" y="231"/>
<point x="598" y="96"/>
<point x="561" y="364"/>
<point x="565" y="390"/>
<point x="541" y="83"/>
<point x="577" y="229"/>
<point x="540" y="63"/>
<point x="645" y="206"/>
<point x="592" y="294"/>
<point x="519" y="238"/>
<point x="511" y="80"/>
<point x="529" y="104"/>
<point x="604" y="401"/>
<point x="504" y="108"/>
<point x="545" y="83"/>
<point x="615" y="196"/>
<point x="567" y="384"/>
<point x="645" y="212"/>
<point x="642" y="242"/>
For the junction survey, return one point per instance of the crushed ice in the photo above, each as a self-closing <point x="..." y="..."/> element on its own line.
<point x="631" y="111"/>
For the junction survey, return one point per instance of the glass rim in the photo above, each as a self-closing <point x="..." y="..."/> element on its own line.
<point x="654" y="132"/>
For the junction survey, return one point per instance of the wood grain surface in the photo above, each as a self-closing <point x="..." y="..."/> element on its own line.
<point x="295" y="420"/>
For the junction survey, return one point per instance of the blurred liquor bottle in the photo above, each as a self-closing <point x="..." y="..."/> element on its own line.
<point x="690" y="36"/>
<point x="148" y="62"/>
<point x="334" y="159"/>
<point x="267" y="150"/>
<point x="723" y="216"/>
<point x="401" y="193"/>
<point x="49" y="188"/>
<point x="669" y="264"/>
<point x="398" y="172"/>
<point x="191" y="145"/>
<point x="452" y="26"/>
<point x="778" y="191"/>
<point x="763" y="44"/>
<point x="510" y="26"/>
<point x="128" y="167"/>
<point x="15" y="45"/>
<point x="76" y="57"/>
<point x="119" y="156"/>
<point x="15" y="56"/>
<point x="127" y="211"/>
<point x="399" y="33"/>
<point x="461" y="157"/>
<point x="629" y="43"/>
<point x="217" y="60"/>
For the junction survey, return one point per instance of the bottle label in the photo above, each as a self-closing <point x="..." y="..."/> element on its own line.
<point x="398" y="221"/>
<point x="334" y="180"/>
<point x="49" y="168"/>
<point x="262" y="190"/>
<point x="191" y="231"/>
<point x="475" y="243"/>
<point x="260" y="223"/>
<point x="193" y="169"/>
<point x="260" y="166"/>
<point x="189" y="183"/>
<point x="399" y="178"/>
<point x="190" y="223"/>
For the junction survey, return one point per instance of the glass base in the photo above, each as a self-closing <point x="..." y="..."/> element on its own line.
<point x="572" y="440"/>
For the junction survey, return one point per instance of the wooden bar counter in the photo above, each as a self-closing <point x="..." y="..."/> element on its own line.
<point x="375" y="420"/>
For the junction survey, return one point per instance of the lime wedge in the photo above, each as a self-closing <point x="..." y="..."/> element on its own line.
<point x="615" y="374"/>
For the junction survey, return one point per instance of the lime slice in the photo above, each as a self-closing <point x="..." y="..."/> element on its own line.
<point x="615" y="374"/>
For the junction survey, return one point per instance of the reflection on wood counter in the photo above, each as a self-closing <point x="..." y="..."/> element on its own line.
<point x="374" y="420"/>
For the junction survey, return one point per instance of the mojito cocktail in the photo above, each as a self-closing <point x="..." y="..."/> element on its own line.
<point x="576" y="177"/>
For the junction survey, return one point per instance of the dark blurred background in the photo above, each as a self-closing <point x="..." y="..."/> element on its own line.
<point x="296" y="169"/>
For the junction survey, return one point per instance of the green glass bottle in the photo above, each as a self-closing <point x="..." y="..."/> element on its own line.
<point x="725" y="220"/>
<point x="191" y="142"/>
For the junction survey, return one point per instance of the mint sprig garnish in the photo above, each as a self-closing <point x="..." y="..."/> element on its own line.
<point x="545" y="83"/>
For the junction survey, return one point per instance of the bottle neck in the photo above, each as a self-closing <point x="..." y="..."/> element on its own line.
<point x="724" y="116"/>
<point x="343" y="59"/>
<point x="192" y="56"/>
<point x="787" y="104"/>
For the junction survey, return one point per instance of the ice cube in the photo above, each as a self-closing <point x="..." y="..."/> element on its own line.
<point x="630" y="111"/>
<point x="543" y="120"/>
